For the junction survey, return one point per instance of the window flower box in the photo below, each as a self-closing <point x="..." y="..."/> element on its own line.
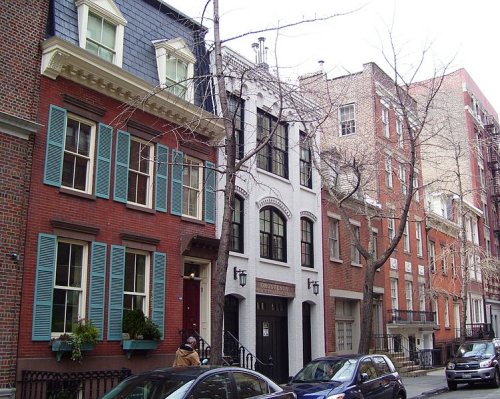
<point x="60" y="347"/>
<point x="131" y="345"/>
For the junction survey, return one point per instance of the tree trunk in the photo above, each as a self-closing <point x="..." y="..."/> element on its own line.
<point x="367" y="309"/>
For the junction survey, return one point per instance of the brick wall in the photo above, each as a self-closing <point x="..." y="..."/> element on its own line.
<point x="22" y="26"/>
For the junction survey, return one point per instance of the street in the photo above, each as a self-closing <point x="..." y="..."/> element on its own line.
<point x="476" y="391"/>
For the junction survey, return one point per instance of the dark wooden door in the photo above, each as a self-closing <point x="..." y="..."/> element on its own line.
<point x="272" y="337"/>
<point x="231" y="329"/>
<point x="191" y="311"/>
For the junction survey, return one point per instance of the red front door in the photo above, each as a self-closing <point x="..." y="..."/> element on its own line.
<point x="191" y="311"/>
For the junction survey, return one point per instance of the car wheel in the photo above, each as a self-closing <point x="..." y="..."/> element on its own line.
<point x="495" y="383"/>
<point x="452" y="386"/>
<point x="401" y="395"/>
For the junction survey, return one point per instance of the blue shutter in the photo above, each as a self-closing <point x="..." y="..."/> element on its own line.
<point x="44" y="287"/>
<point x="103" y="163"/>
<point x="55" y="146"/>
<point x="209" y="208"/>
<point x="158" y="300"/>
<point x="177" y="169"/>
<point x="116" y="282"/>
<point x="121" y="166"/>
<point x="161" y="178"/>
<point x="97" y="286"/>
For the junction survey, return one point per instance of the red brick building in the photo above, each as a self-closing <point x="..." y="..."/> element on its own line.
<point x="366" y="123"/>
<point x="344" y="277"/>
<point x="122" y="197"/>
<point x="19" y="94"/>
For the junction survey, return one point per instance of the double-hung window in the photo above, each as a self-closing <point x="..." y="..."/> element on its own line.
<point x="344" y="324"/>
<point x="192" y="187"/>
<point x="406" y="237"/>
<point x="402" y="178"/>
<point x="355" y="255"/>
<point x="101" y="37"/>
<point x="388" y="171"/>
<point x="409" y="295"/>
<point x="273" y="157"/>
<point x="418" y="237"/>
<point x="78" y="163"/>
<point x="394" y="293"/>
<point x="140" y="172"/>
<point x="390" y="225"/>
<point x="333" y="238"/>
<point x="101" y="29"/>
<point x="444" y="262"/>
<point x="347" y="119"/>
<point x="432" y="256"/>
<point x="306" y="242"/>
<point x="385" y="121"/>
<point x="272" y="234"/>
<point x="68" y="304"/>
<point x="236" y="108"/>
<point x="237" y="237"/>
<point x="136" y="287"/>
<point x="399" y="132"/>
<point x="305" y="162"/>
<point x="175" y="64"/>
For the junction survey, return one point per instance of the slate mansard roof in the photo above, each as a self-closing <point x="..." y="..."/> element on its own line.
<point x="147" y="20"/>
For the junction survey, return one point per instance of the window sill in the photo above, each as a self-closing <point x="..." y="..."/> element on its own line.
<point x="356" y="264"/>
<point x="274" y="176"/>
<point x="140" y="208"/>
<point x="336" y="260"/>
<point x="81" y="194"/>
<point x="192" y="220"/>
<point x="238" y="255"/>
<point x="274" y="262"/>
<point x="308" y="189"/>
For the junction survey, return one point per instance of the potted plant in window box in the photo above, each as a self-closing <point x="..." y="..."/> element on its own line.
<point x="83" y="338"/>
<point x="139" y="332"/>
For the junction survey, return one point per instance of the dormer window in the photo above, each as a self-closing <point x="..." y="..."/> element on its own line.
<point x="175" y="63"/>
<point x="101" y="28"/>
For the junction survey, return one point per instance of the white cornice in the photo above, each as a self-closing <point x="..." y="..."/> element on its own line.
<point x="273" y="201"/>
<point x="16" y="126"/>
<point x="60" y="58"/>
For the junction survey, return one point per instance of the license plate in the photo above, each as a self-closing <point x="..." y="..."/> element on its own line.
<point x="466" y="375"/>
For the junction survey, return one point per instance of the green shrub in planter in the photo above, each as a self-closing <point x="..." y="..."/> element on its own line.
<point x="84" y="333"/>
<point x="137" y="326"/>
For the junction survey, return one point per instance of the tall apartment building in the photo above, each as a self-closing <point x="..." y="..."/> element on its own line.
<point x="460" y="165"/>
<point x="276" y="231"/>
<point x="366" y="123"/>
<point x="121" y="203"/>
<point x="19" y="95"/>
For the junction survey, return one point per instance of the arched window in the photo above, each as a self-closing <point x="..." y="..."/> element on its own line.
<point x="272" y="234"/>
<point x="236" y="240"/>
<point x="306" y="243"/>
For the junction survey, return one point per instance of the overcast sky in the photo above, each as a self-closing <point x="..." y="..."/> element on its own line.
<point x="464" y="34"/>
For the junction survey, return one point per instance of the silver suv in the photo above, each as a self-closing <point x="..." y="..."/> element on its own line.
<point x="475" y="361"/>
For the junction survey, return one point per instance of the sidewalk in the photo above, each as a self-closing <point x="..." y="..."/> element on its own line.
<point x="425" y="385"/>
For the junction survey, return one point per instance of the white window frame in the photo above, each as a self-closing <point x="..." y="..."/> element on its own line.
<point x="375" y="242"/>
<point x="91" y="157"/>
<point x="83" y="288"/>
<point x="388" y="171"/>
<point x="333" y="238"/>
<point x="385" y="121"/>
<point x="107" y="10"/>
<point x="394" y="294"/>
<point x="432" y="256"/>
<point x="402" y="178"/>
<point x="147" y="273"/>
<point x="391" y="225"/>
<point x="190" y="162"/>
<point x="421" y="296"/>
<point x="150" y="184"/>
<point x="444" y="260"/>
<point x="447" y="313"/>
<point x="350" y="120"/>
<point x="406" y="237"/>
<point x="416" y="194"/>
<point x="178" y="49"/>
<point x="409" y="295"/>
<point x="435" y="302"/>
<point x="399" y="132"/>
<point x="418" y="237"/>
<point x="355" y="254"/>
<point x="344" y="323"/>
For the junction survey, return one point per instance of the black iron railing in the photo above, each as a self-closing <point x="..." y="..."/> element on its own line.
<point x="477" y="331"/>
<point x="410" y="317"/>
<point x="78" y="385"/>
<point x="238" y="354"/>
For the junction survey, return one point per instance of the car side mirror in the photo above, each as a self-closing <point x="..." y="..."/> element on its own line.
<point x="364" y="377"/>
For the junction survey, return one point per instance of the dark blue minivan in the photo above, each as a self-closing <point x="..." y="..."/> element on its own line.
<point x="348" y="377"/>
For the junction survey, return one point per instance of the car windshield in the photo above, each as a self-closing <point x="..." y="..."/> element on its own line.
<point x="327" y="370"/>
<point x="476" y="349"/>
<point x="150" y="386"/>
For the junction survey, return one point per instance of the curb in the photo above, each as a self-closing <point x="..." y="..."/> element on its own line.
<point x="430" y="393"/>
